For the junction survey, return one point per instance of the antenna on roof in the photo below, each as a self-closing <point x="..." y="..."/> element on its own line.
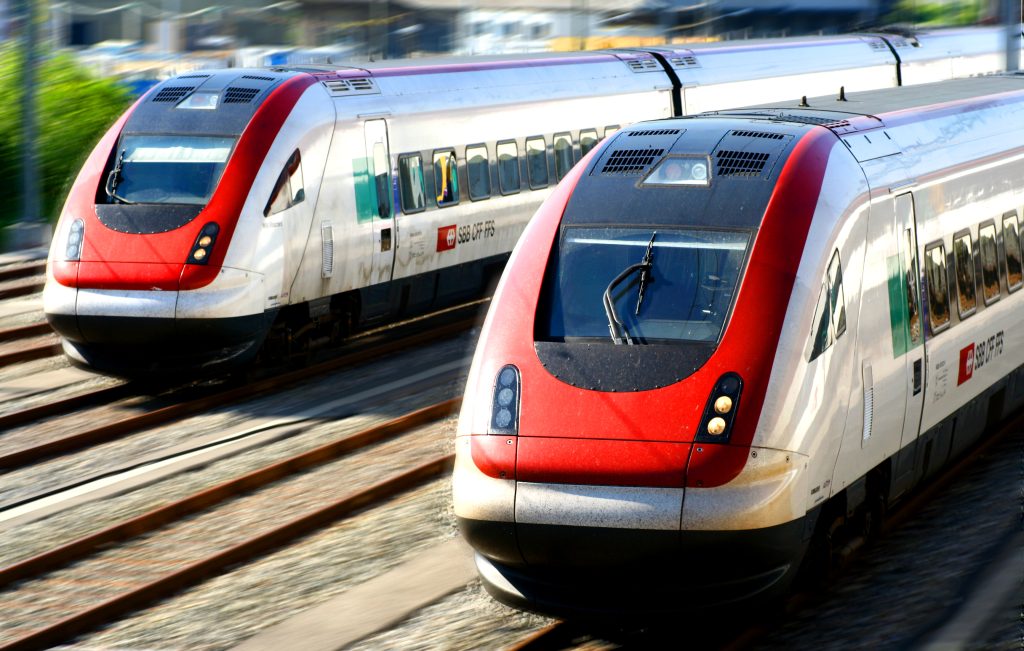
<point x="803" y="102"/>
<point x="842" y="94"/>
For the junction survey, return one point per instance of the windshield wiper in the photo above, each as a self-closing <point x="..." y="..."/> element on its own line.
<point x="614" y="324"/>
<point x="645" y="272"/>
<point x="114" y="178"/>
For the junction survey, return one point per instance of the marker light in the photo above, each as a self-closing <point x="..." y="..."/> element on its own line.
<point x="76" y="237"/>
<point x="204" y="244"/>
<point x="720" y="411"/>
<point x="505" y="404"/>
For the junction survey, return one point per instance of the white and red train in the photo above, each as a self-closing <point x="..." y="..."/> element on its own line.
<point x="227" y="208"/>
<point x="724" y="338"/>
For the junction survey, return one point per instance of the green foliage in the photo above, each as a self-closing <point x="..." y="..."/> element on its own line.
<point x="73" y="110"/>
<point x="948" y="13"/>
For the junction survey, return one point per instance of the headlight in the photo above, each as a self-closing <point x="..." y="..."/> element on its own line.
<point x="720" y="411"/>
<point x="200" y="253"/>
<point x="505" y="402"/>
<point x="76" y="238"/>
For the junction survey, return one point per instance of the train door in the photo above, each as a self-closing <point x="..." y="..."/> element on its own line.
<point x="378" y="157"/>
<point x="909" y="297"/>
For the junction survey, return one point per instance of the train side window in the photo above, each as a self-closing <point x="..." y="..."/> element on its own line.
<point x="508" y="167"/>
<point x="1011" y="247"/>
<point x="537" y="162"/>
<point x="479" y="172"/>
<point x="563" y="155"/>
<point x="446" y="178"/>
<point x="410" y="182"/>
<point x="989" y="262"/>
<point x="830" y="312"/>
<point x="588" y="140"/>
<point x="938" y="286"/>
<point x="288" y="191"/>
<point x="963" y="255"/>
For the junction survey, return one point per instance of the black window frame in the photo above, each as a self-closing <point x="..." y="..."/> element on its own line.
<point x="944" y="272"/>
<point x="487" y="170"/>
<point x="401" y="186"/>
<point x="597" y="141"/>
<point x="964" y="314"/>
<point x="457" y="198"/>
<point x="572" y="154"/>
<point x="529" y="166"/>
<point x="518" y="168"/>
<point x="1012" y="215"/>
<point x="285" y="178"/>
<point x="981" y="256"/>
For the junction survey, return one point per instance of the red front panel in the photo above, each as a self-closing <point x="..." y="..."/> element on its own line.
<point x="553" y="409"/>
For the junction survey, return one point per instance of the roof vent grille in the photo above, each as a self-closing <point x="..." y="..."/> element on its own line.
<point x="193" y="76"/>
<point x="240" y="95"/>
<point x="688" y="61"/>
<point x="360" y="86"/>
<point x="878" y="45"/>
<point x="827" y="122"/>
<point x="729" y="162"/>
<point x="631" y="161"/>
<point x="758" y="134"/>
<point x="655" y="132"/>
<point x="643" y="65"/>
<point x="173" y="93"/>
<point x="258" y="77"/>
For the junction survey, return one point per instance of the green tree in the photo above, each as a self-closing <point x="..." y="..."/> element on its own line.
<point x="74" y="110"/>
<point x="938" y="13"/>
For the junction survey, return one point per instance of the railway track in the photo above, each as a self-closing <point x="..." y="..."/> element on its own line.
<point x="182" y="543"/>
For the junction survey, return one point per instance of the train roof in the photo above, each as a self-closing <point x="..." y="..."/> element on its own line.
<point x="889" y="106"/>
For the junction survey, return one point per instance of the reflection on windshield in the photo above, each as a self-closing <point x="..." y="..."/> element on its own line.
<point x="689" y="290"/>
<point x="171" y="169"/>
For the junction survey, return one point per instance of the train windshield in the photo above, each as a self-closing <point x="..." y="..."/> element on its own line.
<point x="168" y="169"/>
<point x="673" y="285"/>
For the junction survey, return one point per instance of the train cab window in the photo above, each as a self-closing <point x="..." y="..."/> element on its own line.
<point x="989" y="262"/>
<point x="1011" y="247"/>
<point x="963" y="255"/>
<point x="830" y="313"/>
<point x="588" y="140"/>
<point x="167" y="169"/>
<point x="446" y="178"/>
<point x="938" y="287"/>
<point x="479" y="172"/>
<point x="686" y="299"/>
<point x="288" y="190"/>
<point x="563" y="155"/>
<point x="508" y="167"/>
<point x="537" y="162"/>
<point x="410" y="183"/>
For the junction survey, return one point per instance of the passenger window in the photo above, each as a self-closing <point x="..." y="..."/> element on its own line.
<point x="446" y="178"/>
<point x="288" y="191"/>
<point x="537" y="162"/>
<point x="830" y="312"/>
<point x="938" y="287"/>
<point x="910" y="276"/>
<point x="508" y="167"/>
<point x="563" y="155"/>
<point x="588" y="140"/>
<point x="965" y="283"/>
<point x="382" y="181"/>
<point x="989" y="262"/>
<point x="1011" y="246"/>
<point x="410" y="181"/>
<point x="479" y="172"/>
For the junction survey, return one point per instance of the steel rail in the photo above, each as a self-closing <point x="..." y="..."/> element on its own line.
<point x="198" y="571"/>
<point x="91" y="436"/>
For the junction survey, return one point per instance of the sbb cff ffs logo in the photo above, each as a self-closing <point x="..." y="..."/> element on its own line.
<point x="446" y="238"/>
<point x="966" y="365"/>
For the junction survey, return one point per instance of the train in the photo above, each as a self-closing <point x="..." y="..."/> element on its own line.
<point x="230" y="213"/>
<point x="728" y="343"/>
